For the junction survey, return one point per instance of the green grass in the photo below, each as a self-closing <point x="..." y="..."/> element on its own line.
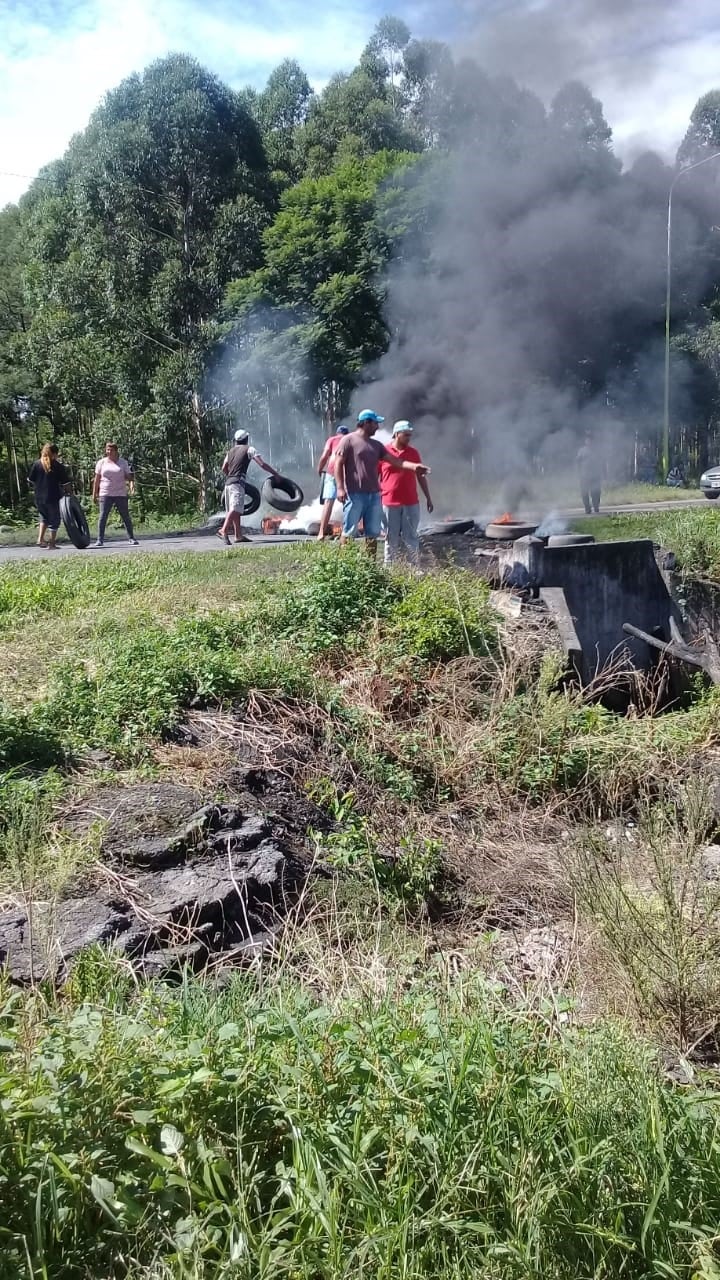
<point x="23" y="533"/>
<point x="694" y="535"/>
<point x="353" y="1110"/>
<point x="633" y="494"/>
<point x="428" y="1132"/>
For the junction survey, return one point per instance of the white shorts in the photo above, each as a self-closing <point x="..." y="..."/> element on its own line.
<point x="235" y="497"/>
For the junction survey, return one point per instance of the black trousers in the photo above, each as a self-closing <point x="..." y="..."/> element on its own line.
<point x="122" y="507"/>
<point x="591" y="499"/>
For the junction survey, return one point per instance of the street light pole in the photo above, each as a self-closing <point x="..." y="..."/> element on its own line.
<point x="666" y="406"/>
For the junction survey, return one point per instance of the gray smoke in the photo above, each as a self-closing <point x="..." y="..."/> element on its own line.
<point x="534" y="310"/>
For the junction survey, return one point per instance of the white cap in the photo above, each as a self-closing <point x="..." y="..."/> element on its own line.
<point x="402" y="425"/>
<point x="241" y="437"/>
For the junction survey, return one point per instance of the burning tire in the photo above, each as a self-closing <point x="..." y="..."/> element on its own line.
<point x="252" y="500"/>
<point x="75" y="522"/>
<point x="447" y="527"/>
<point x="509" y="531"/>
<point x="570" y="539"/>
<point x="283" y="495"/>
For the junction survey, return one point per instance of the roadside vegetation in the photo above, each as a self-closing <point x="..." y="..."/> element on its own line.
<point x="403" y="1089"/>
<point x="693" y="535"/>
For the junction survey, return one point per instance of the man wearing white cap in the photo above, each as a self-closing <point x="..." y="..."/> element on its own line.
<point x="399" y="491"/>
<point x="357" y="461"/>
<point x="235" y="466"/>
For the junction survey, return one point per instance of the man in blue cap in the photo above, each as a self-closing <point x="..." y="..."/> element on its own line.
<point x="357" y="460"/>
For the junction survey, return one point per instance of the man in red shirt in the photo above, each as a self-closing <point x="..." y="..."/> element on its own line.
<point x="328" y="491"/>
<point x="399" y="491"/>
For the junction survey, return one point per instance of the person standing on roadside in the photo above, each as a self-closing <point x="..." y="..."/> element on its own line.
<point x="328" y="488"/>
<point x="234" y="467"/>
<point x="357" y="462"/>
<point x="399" y="493"/>
<point x="48" y="477"/>
<point x="590" y="472"/>
<point x="113" y="477"/>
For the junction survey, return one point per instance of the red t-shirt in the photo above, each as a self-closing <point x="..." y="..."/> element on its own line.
<point x="399" y="488"/>
<point x="333" y="442"/>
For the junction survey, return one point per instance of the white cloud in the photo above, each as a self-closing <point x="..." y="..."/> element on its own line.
<point x="58" y="57"/>
<point x="52" y="74"/>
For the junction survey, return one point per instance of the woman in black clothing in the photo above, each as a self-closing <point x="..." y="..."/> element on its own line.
<point x="48" y="478"/>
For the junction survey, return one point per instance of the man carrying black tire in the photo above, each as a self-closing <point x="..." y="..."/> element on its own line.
<point x="235" y="466"/>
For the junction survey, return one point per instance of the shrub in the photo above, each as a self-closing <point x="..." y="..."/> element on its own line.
<point x="439" y="618"/>
<point x="336" y="599"/>
<point x="29" y="740"/>
<point x="144" y="680"/>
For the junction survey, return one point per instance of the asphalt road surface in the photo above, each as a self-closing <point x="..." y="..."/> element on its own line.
<point x="183" y="543"/>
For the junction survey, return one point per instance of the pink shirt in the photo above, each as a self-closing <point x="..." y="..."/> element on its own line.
<point x="114" y="477"/>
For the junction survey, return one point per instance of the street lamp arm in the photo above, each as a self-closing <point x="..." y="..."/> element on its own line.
<point x="666" y="399"/>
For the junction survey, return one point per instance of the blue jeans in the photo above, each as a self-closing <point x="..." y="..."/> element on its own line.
<point x="362" y="506"/>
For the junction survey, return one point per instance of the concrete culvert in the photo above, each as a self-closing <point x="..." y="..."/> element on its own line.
<point x="282" y="494"/>
<point x="75" y="522"/>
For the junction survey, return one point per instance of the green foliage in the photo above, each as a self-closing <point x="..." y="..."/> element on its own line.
<point x="439" y="618"/>
<point x="406" y="875"/>
<point x="337" y="600"/>
<point x="693" y="535"/>
<point x="143" y="679"/>
<point x="259" y="1133"/>
<point x="27" y="740"/>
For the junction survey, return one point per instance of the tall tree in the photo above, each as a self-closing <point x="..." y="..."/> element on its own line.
<point x="281" y="110"/>
<point x="703" y="135"/>
<point x="314" y="311"/>
<point x="165" y="198"/>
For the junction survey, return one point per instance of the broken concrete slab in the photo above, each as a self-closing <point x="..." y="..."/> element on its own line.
<point x="221" y="877"/>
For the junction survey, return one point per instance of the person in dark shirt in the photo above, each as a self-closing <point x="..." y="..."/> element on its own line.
<point x="590" y="470"/>
<point x="235" y="466"/>
<point x="48" y="478"/>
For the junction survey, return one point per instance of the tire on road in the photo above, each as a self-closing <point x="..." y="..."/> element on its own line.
<point x="75" y="522"/>
<point x="712" y="497"/>
<point x="446" y="527"/>
<point x="508" y="532"/>
<point x="570" y="539"/>
<point x="252" y="500"/>
<point x="284" y="495"/>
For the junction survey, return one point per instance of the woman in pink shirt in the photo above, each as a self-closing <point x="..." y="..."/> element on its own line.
<point x="113" y="474"/>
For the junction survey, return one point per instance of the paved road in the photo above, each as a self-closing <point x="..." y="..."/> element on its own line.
<point x="179" y="544"/>
<point x="193" y="542"/>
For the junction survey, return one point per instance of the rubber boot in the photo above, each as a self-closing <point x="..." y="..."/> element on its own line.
<point x="371" y="547"/>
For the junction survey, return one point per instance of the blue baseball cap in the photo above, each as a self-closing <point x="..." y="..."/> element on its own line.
<point x="342" y="431"/>
<point x="369" y="415"/>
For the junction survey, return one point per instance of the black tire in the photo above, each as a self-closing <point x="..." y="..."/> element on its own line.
<point x="252" y="500"/>
<point x="570" y="539"/>
<point x="508" y="532"/>
<point x="284" y="495"/>
<point x="712" y="497"/>
<point x="448" y="527"/>
<point x="75" y="521"/>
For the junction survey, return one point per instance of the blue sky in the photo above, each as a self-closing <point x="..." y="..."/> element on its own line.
<point x="648" y="60"/>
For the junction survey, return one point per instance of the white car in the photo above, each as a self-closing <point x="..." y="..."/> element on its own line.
<point x="710" y="483"/>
